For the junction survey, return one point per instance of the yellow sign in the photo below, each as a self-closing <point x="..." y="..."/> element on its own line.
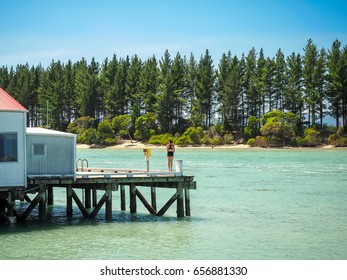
<point x="147" y="152"/>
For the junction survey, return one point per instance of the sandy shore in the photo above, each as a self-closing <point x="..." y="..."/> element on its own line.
<point x="138" y="145"/>
<point x="127" y="144"/>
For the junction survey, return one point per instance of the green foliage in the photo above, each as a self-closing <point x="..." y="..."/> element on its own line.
<point x="104" y="132"/>
<point x="311" y="138"/>
<point x="187" y="92"/>
<point x="120" y="124"/>
<point x="279" y="129"/>
<point x="338" y="139"/>
<point x="251" y="130"/>
<point x="145" y="127"/>
<point x="192" y="136"/>
<point x="80" y="125"/>
<point x="261" y="141"/>
<point x="251" y="142"/>
<point x="89" y="137"/>
<point x="161" y="139"/>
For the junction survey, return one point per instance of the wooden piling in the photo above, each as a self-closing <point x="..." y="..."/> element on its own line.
<point x="95" y="197"/>
<point x="42" y="203"/>
<point x="122" y="198"/>
<point x="50" y="195"/>
<point x="167" y="205"/>
<point x="69" y="210"/>
<point x="187" y="200"/>
<point x="132" y="191"/>
<point x="32" y="205"/>
<point x="154" y="198"/>
<point x="108" y="208"/>
<point x="87" y="197"/>
<point x="180" y="205"/>
<point x="91" y="185"/>
<point x="98" y="206"/>
<point x="145" y="202"/>
<point x="79" y="204"/>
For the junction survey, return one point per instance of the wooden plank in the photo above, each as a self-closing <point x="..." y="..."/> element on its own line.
<point x="98" y="206"/>
<point x="80" y="204"/>
<point x="27" y="198"/>
<point x="167" y="205"/>
<point x="30" y="208"/>
<point x="145" y="202"/>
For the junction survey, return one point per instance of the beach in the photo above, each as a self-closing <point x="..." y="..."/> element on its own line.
<point x="128" y="144"/>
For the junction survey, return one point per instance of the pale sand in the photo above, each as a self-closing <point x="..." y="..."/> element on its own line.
<point x="127" y="144"/>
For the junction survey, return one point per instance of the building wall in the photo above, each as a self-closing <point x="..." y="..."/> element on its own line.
<point x="13" y="173"/>
<point x="51" y="155"/>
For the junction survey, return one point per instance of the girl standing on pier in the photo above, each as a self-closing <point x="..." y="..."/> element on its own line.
<point x="170" y="148"/>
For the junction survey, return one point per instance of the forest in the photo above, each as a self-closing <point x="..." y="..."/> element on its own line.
<point x="263" y="101"/>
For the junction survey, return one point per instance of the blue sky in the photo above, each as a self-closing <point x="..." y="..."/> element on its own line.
<point x="38" y="31"/>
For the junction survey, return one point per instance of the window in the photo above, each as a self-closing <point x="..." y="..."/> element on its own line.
<point x="8" y="147"/>
<point x="39" y="149"/>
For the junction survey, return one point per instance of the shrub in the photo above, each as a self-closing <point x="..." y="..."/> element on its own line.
<point x="251" y="142"/>
<point x="161" y="139"/>
<point x="252" y="128"/>
<point x="228" y="139"/>
<point x="80" y="125"/>
<point x="120" y="124"/>
<point x="311" y="138"/>
<point x="192" y="136"/>
<point x="261" y="142"/>
<point x="89" y="136"/>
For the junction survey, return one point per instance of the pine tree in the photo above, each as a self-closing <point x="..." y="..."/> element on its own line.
<point x="293" y="98"/>
<point x="279" y="85"/>
<point x="149" y="83"/>
<point x="166" y="107"/>
<point x="205" y="91"/>
<point x="133" y="90"/>
<point x="310" y="64"/>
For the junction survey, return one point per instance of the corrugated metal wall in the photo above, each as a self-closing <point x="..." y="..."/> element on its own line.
<point x="58" y="159"/>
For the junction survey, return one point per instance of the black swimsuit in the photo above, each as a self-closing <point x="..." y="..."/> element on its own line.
<point x="170" y="154"/>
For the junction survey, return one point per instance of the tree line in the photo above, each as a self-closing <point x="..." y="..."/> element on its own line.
<point x="179" y="92"/>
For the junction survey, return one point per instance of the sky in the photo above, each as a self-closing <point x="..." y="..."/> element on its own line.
<point x="39" y="31"/>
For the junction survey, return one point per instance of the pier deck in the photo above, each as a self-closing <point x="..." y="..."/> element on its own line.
<point x="93" y="180"/>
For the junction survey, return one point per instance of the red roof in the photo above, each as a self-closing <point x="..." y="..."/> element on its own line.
<point x="8" y="103"/>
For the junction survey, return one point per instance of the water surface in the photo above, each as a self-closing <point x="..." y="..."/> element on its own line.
<point x="250" y="204"/>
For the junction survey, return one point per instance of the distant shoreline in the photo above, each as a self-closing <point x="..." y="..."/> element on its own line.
<point x="139" y="145"/>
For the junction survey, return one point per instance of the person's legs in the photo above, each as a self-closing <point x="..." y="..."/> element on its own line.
<point x="169" y="163"/>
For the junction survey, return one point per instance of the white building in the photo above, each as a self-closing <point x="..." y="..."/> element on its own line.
<point x="26" y="152"/>
<point x="12" y="142"/>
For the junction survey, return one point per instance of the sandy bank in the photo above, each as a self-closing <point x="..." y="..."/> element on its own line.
<point x="127" y="144"/>
<point x="138" y="145"/>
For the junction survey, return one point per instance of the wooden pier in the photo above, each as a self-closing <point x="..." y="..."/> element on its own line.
<point x="92" y="182"/>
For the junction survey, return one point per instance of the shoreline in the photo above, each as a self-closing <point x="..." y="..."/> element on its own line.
<point x="127" y="144"/>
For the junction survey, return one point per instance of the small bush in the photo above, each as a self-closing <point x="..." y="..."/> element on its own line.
<point x="261" y="141"/>
<point x="161" y="139"/>
<point x="252" y="142"/>
<point x="311" y="138"/>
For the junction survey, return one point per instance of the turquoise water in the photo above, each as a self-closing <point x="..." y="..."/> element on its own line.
<point x="250" y="204"/>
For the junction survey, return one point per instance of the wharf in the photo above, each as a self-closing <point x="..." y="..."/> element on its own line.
<point x="92" y="182"/>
